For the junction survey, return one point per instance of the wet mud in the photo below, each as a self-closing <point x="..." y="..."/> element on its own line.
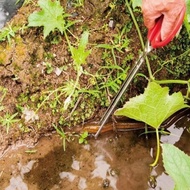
<point x="113" y="161"/>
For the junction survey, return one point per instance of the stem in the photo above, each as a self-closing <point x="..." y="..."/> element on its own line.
<point x="158" y="149"/>
<point x="113" y="54"/>
<point x="69" y="44"/>
<point x="171" y="82"/>
<point x="188" y="89"/>
<point x="140" y="38"/>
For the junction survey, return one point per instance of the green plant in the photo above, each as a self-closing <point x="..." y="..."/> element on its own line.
<point x="49" y="67"/>
<point x="82" y="137"/>
<point x="79" y="56"/>
<point x="8" y="32"/>
<point x="153" y="107"/>
<point x="71" y="88"/>
<point x="64" y="136"/>
<point x="177" y="165"/>
<point x="8" y="120"/>
<point x="78" y="3"/>
<point x="31" y="151"/>
<point x="51" y="17"/>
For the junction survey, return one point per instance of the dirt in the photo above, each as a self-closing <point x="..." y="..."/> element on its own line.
<point x="25" y="76"/>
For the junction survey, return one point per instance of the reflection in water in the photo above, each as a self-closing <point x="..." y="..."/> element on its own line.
<point x="75" y="165"/>
<point x="175" y="135"/>
<point x="103" y="170"/>
<point x="68" y="175"/>
<point x="16" y="182"/>
<point x="82" y="183"/>
<point x="101" y="167"/>
<point x="160" y="181"/>
<point x="164" y="182"/>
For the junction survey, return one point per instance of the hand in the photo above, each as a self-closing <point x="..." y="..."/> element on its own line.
<point x="153" y="9"/>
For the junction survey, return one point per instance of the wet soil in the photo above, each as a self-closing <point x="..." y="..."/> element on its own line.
<point x="114" y="161"/>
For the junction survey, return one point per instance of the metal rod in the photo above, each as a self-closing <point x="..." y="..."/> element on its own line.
<point x="123" y="88"/>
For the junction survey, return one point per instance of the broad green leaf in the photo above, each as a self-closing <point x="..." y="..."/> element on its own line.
<point x="154" y="106"/>
<point x="51" y="16"/>
<point x="177" y="165"/>
<point x="136" y="3"/>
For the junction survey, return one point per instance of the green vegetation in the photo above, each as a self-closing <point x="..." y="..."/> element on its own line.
<point x="82" y="138"/>
<point x="153" y="108"/>
<point x="177" y="165"/>
<point x="51" y="17"/>
<point x="8" y="120"/>
<point x="7" y="33"/>
<point x="67" y="136"/>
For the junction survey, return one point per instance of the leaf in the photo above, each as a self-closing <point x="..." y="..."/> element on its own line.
<point x="80" y="54"/>
<point x="136" y="3"/>
<point x="51" y="17"/>
<point x="154" y="106"/>
<point x="177" y="165"/>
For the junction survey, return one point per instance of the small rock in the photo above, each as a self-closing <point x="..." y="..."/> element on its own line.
<point x="106" y="183"/>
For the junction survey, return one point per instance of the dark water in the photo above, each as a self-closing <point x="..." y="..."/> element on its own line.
<point x="113" y="162"/>
<point x="8" y="9"/>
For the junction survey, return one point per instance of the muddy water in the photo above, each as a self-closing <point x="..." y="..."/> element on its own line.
<point x="8" y="9"/>
<point x="113" y="162"/>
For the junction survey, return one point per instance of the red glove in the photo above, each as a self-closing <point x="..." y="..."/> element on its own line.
<point x="153" y="9"/>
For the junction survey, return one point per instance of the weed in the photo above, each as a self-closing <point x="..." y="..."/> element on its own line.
<point x="78" y="3"/>
<point x="49" y="67"/>
<point x="64" y="136"/>
<point x="30" y="151"/>
<point x="71" y="88"/>
<point x="8" y="32"/>
<point x="82" y="137"/>
<point x="8" y="120"/>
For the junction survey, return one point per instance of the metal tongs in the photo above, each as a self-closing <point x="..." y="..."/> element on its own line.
<point x="154" y="41"/>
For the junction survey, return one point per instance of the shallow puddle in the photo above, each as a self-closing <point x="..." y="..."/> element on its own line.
<point x="8" y="9"/>
<point x="113" y="162"/>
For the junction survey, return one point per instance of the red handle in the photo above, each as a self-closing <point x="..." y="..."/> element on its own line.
<point x="154" y="34"/>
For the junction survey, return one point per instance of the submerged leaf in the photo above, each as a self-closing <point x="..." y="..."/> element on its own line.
<point x="177" y="165"/>
<point x="154" y="106"/>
